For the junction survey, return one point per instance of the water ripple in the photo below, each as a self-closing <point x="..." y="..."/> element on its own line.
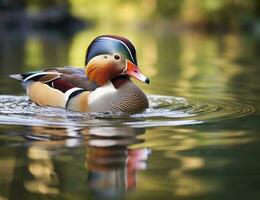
<point x="163" y="111"/>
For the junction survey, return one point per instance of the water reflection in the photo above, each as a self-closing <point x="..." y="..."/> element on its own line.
<point x="41" y="167"/>
<point x="108" y="167"/>
<point x="113" y="169"/>
<point x="7" y="165"/>
<point x="206" y="160"/>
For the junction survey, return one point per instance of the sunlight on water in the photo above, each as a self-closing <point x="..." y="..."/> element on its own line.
<point x="163" y="111"/>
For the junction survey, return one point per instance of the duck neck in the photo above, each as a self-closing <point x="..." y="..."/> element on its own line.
<point x="120" y="81"/>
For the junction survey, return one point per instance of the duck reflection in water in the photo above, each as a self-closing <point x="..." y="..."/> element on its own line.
<point x="111" y="162"/>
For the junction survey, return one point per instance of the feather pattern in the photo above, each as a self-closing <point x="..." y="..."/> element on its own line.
<point x="35" y="76"/>
<point x="104" y="86"/>
<point x="127" y="98"/>
<point x="55" y="83"/>
<point x="38" y="92"/>
<point x="60" y="78"/>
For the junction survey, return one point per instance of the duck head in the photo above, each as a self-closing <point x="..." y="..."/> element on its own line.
<point x="109" y="57"/>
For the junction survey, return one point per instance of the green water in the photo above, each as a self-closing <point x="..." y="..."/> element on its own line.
<point x="198" y="140"/>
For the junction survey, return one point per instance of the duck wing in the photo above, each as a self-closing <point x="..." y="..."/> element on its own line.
<point x="61" y="78"/>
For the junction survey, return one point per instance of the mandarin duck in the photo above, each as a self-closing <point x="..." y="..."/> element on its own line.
<point x="104" y="84"/>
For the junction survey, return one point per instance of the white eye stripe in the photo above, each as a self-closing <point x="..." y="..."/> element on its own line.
<point x="123" y="44"/>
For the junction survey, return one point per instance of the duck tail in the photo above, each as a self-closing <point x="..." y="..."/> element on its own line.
<point x="18" y="77"/>
<point x="42" y="76"/>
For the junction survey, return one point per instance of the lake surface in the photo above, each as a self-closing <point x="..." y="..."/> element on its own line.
<point x="198" y="140"/>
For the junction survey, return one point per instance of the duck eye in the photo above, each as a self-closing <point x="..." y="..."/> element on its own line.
<point x="116" y="57"/>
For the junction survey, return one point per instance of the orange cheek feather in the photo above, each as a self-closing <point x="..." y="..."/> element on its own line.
<point x="100" y="75"/>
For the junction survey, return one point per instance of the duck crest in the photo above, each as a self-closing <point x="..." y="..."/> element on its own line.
<point x="111" y="44"/>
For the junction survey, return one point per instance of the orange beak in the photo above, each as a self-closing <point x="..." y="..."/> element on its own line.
<point x="132" y="70"/>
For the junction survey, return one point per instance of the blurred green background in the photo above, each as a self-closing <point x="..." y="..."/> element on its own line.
<point x="204" y="14"/>
<point x="188" y="48"/>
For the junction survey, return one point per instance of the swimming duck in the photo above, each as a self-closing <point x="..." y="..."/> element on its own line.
<point x="103" y="86"/>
